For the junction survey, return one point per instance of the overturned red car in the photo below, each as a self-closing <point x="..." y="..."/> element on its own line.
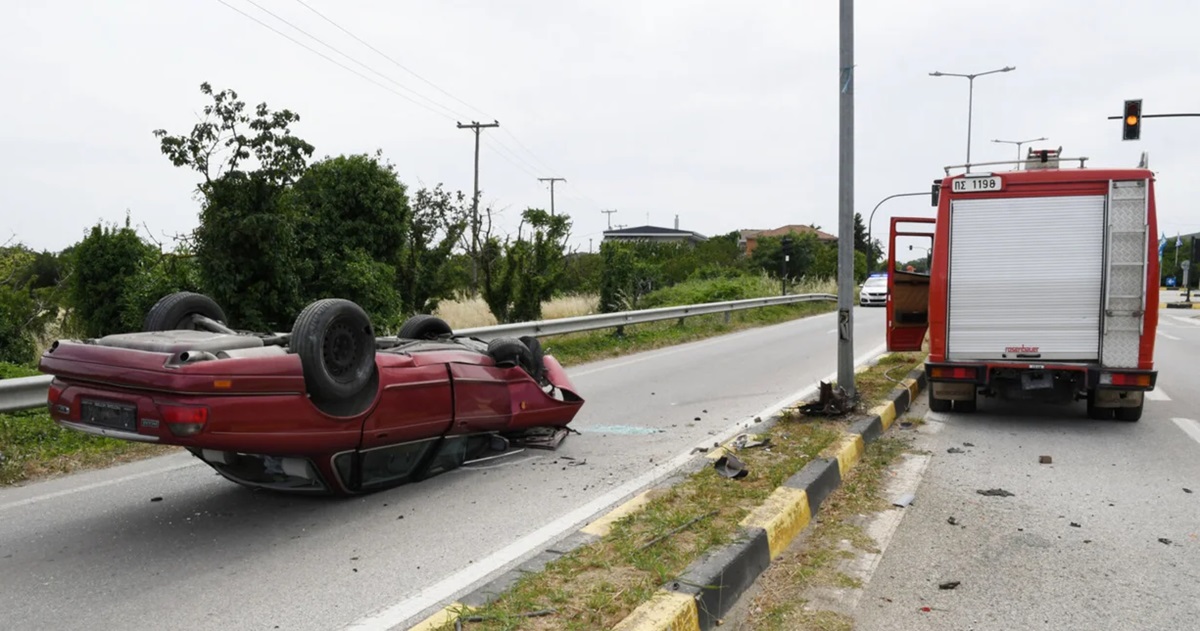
<point x="326" y="408"/>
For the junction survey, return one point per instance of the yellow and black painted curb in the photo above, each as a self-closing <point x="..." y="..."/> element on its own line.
<point x="1179" y="305"/>
<point x="700" y="597"/>
<point x="711" y="585"/>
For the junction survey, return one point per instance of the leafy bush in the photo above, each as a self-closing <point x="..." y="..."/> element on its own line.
<point x="702" y="290"/>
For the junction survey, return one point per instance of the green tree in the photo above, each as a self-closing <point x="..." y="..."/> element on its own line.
<point x="355" y="221"/>
<point x="516" y="283"/>
<point x="768" y="255"/>
<point x="105" y="263"/>
<point x="429" y="275"/>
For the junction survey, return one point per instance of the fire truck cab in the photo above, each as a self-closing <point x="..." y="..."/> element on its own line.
<point x="1041" y="284"/>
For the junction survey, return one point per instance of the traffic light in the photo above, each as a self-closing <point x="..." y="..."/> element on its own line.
<point x="1131" y="124"/>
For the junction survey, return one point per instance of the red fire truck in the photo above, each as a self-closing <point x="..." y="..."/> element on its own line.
<point x="1041" y="284"/>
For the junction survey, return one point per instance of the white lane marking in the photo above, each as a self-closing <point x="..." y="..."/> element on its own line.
<point x="1157" y="395"/>
<point x="96" y="485"/>
<point x="1168" y="336"/>
<point x="409" y="608"/>
<point x="1189" y="427"/>
<point x="1191" y="321"/>
<point x="831" y="331"/>
<point x="665" y="353"/>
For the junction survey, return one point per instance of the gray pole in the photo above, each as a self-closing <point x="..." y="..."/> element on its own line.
<point x="475" y="205"/>
<point x="871" y="223"/>
<point x="552" y="180"/>
<point x="1018" y="143"/>
<point x="846" y="201"/>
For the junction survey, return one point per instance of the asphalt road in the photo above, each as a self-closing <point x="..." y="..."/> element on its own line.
<point x="1077" y="545"/>
<point x="166" y="543"/>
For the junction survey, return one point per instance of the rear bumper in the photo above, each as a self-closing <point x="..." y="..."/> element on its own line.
<point x="1091" y="376"/>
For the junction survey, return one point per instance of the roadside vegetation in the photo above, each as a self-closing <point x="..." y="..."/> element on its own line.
<point x="596" y="586"/>
<point x="278" y="229"/>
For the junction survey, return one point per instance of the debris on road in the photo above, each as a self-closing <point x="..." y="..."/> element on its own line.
<point x="1186" y="490"/>
<point x="1045" y="460"/>
<point x="156" y="499"/>
<point x="677" y="530"/>
<point x="952" y="521"/>
<point x="904" y="500"/>
<point x="750" y="441"/>
<point x="955" y="450"/>
<point x="968" y="444"/>
<point x="830" y="402"/>
<point x="702" y="450"/>
<point x="949" y="585"/>
<point x="1075" y="525"/>
<point x="729" y="466"/>
<point x="995" y="493"/>
<point x="1164" y="541"/>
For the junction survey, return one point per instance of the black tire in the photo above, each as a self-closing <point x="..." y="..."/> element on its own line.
<point x="1130" y="415"/>
<point x="936" y="404"/>
<point x="539" y="363"/>
<point x="509" y="351"/>
<point x="1095" y="412"/>
<point x="336" y="345"/>
<point x="175" y="311"/>
<point x="424" y="327"/>
<point x="965" y="407"/>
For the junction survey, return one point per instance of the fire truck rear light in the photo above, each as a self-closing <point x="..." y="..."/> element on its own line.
<point x="953" y="372"/>
<point x="1140" y="380"/>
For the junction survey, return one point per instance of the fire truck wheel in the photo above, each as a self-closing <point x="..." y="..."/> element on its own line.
<point x="1130" y="415"/>
<point x="1096" y="412"/>
<point x="936" y="404"/>
<point x="965" y="407"/>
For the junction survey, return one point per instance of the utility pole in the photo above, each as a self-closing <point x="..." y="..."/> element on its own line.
<point x="846" y="199"/>
<point x="475" y="126"/>
<point x="552" y="180"/>
<point x="589" y="245"/>
<point x="610" y="214"/>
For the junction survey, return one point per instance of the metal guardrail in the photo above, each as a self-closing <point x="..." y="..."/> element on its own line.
<point x="27" y="393"/>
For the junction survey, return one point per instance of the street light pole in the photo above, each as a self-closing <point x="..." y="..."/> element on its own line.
<point x="871" y="220"/>
<point x="970" y="97"/>
<point x="1018" y="143"/>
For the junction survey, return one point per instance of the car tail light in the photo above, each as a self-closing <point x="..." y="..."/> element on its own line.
<point x="953" y="372"/>
<point x="184" y="420"/>
<point x="1141" y="380"/>
<point x="53" y="394"/>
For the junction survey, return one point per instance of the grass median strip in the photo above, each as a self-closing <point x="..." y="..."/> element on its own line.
<point x="598" y="585"/>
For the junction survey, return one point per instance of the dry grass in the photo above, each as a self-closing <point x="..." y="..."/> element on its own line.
<point x="472" y="312"/>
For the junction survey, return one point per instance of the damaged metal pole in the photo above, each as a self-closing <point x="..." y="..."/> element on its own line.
<point x="845" y="280"/>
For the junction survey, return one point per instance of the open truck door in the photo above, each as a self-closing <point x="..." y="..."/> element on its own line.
<point x="910" y="259"/>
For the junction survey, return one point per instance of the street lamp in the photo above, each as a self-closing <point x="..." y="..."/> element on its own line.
<point x="971" y="97"/>
<point x="1018" y="143"/>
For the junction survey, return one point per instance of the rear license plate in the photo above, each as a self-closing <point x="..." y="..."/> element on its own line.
<point x="109" y="414"/>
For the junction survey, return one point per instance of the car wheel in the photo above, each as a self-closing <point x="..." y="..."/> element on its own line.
<point x="538" y="359"/>
<point x="178" y="311"/>
<point x="510" y="351"/>
<point x="424" y="327"/>
<point x="336" y="345"/>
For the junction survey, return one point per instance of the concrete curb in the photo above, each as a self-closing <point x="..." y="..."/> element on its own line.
<point x="712" y="584"/>
<point x="1179" y="305"/>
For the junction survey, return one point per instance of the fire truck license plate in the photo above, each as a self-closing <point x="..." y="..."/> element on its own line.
<point x="978" y="184"/>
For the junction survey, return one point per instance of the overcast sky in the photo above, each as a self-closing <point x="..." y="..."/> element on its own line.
<point x="724" y="113"/>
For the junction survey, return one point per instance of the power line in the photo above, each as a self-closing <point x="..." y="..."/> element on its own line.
<point x="543" y="166"/>
<point x="332" y="60"/>
<point x="398" y="64"/>
<point x="451" y="112"/>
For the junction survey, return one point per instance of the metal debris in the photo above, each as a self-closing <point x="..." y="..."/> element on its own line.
<point x="949" y="585"/>
<point x="1045" y="460"/>
<point x="995" y="493"/>
<point x="677" y="530"/>
<point x="830" y="402"/>
<point x="750" y="441"/>
<point x="1075" y="525"/>
<point x="1164" y="541"/>
<point x="729" y="466"/>
<point x="543" y="437"/>
<point x="952" y="521"/>
<point x="904" y="500"/>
